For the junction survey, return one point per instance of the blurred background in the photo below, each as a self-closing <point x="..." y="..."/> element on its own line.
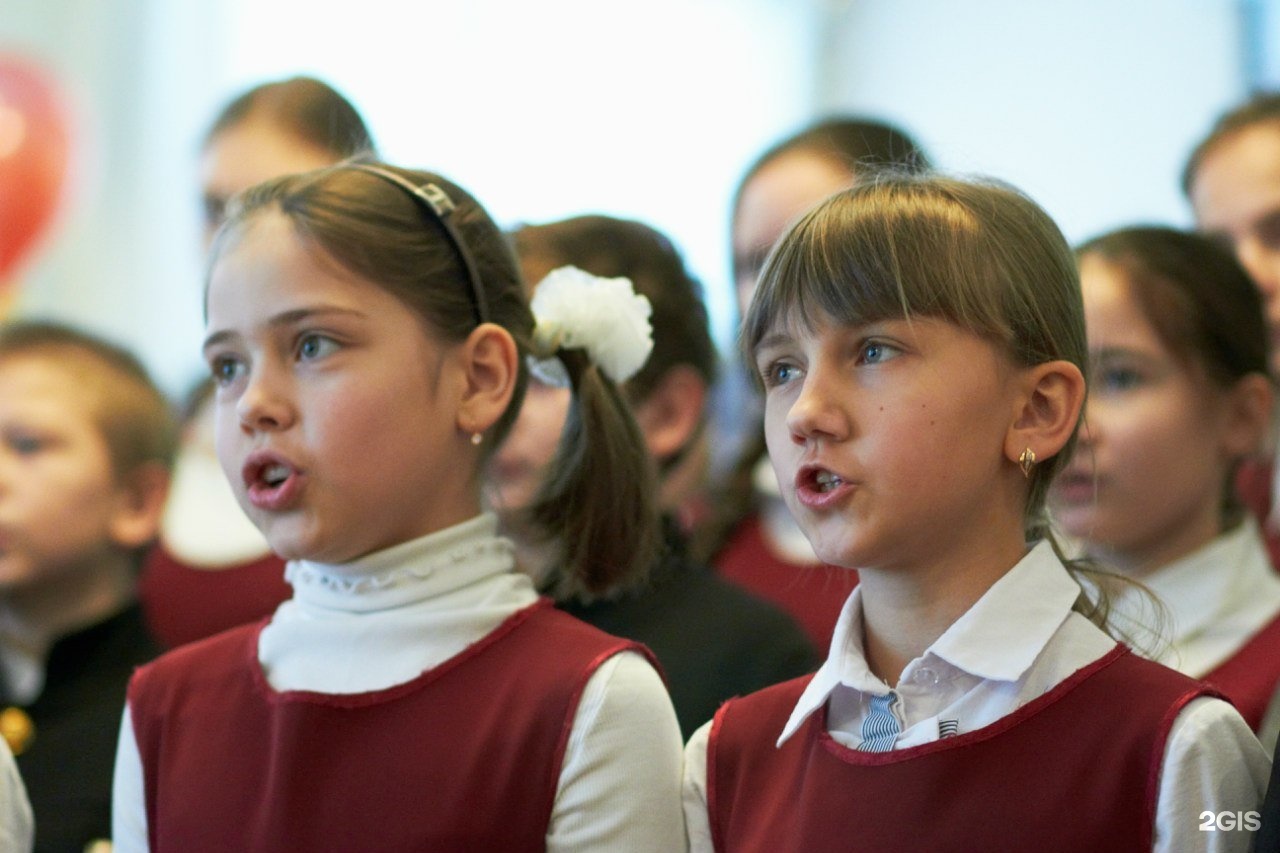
<point x="550" y="108"/>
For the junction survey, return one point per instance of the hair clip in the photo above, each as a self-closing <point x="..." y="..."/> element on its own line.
<point x="436" y="201"/>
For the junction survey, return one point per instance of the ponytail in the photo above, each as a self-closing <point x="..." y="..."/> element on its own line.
<point x="599" y="501"/>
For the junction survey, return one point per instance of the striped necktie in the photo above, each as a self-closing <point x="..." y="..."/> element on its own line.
<point x="880" y="727"/>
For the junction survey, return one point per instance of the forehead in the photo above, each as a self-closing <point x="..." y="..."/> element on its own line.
<point x="63" y="387"/>
<point x="1238" y="179"/>
<point x="265" y="259"/>
<point x="784" y="188"/>
<point x="253" y="151"/>
<point x="1110" y="305"/>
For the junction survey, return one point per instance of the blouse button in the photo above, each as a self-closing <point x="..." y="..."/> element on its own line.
<point x="927" y="676"/>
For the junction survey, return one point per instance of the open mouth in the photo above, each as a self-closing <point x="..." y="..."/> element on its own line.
<point x="825" y="481"/>
<point x="275" y="475"/>
<point x="816" y="487"/>
<point x="270" y="482"/>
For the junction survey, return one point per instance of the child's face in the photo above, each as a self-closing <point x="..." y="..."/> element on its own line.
<point x="519" y="465"/>
<point x="888" y="440"/>
<point x="60" y="502"/>
<point x="245" y="154"/>
<point x="774" y="197"/>
<point x="1236" y="195"/>
<point x="336" y="412"/>
<point x="1145" y="485"/>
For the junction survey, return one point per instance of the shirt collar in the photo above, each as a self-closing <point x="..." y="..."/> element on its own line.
<point x="1029" y="603"/>
<point x="429" y="566"/>
<point x="1199" y="588"/>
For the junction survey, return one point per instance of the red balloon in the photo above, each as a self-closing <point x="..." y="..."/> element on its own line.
<point x="34" y="147"/>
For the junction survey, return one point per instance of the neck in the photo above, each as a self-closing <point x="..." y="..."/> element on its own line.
<point x="76" y="598"/>
<point x="535" y="554"/>
<point x="906" y="609"/>
<point x="1172" y="543"/>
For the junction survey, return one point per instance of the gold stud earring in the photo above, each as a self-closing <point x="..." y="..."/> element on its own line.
<point x="476" y="438"/>
<point x="1027" y="461"/>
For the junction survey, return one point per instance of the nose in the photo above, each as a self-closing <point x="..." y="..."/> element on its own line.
<point x="816" y="411"/>
<point x="264" y="403"/>
<point x="1088" y="432"/>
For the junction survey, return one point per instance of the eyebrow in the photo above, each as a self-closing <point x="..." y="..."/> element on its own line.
<point x="284" y="319"/>
<point x="1112" y="353"/>
<point x="770" y="340"/>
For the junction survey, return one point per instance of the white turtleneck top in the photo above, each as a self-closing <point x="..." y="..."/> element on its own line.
<point x="388" y="617"/>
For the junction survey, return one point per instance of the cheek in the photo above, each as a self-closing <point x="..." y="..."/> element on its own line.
<point x="542" y="419"/>
<point x="1163" y="442"/>
<point x="226" y="431"/>
<point x="777" y="435"/>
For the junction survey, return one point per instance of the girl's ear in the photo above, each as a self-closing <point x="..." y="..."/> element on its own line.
<point x="1047" y="410"/>
<point x="490" y="366"/>
<point x="1247" y="411"/>
<point x="672" y="412"/>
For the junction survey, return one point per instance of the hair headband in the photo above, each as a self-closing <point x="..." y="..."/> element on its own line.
<point x="439" y="206"/>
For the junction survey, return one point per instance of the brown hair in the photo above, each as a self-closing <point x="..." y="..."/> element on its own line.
<point x="601" y="497"/>
<point x="136" y="421"/>
<point x="862" y="147"/>
<point x="855" y="144"/>
<point x="306" y="108"/>
<point x="1201" y="303"/>
<point x="1262" y="108"/>
<point x="977" y="253"/>
<point x="612" y="248"/>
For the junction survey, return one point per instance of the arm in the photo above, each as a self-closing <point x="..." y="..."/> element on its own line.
<point x="1212" y="764"/>
<point x="696" y="821"/>
<point x="619" y="784"/>
<point x="128" y="803"/>
<point x="15" y="811"/>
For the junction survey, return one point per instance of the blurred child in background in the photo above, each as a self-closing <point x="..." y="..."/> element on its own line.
<point x="1180" y="396"/>
<point x="713" y="639"/>
<point x="84" y="469"/>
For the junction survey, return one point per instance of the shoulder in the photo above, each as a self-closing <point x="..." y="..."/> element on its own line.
<point x="773" y="703"/>
<point x="203" y="661"/>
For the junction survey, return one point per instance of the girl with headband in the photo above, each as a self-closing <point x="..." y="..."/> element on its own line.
<point x="368" y="333"/>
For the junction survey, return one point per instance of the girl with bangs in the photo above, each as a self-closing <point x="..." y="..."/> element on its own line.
<point x="921" y="343"/>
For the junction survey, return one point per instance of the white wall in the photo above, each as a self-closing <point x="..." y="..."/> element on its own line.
<point x="643" y="109"/>
<point x="1090" y="106"/>
<point x="120" y="258"/>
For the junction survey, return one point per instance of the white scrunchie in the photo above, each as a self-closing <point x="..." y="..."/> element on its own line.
<point x="604" y="316"/>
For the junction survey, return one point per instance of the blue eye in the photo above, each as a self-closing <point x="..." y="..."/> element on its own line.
<point x="225" y="369"/>
<point x="778" y="373"/>
<point x="314" y="346"/>
<point x="877" y="352"/>
<point x="24" y="444"/>
<point x="1119" y="379"/>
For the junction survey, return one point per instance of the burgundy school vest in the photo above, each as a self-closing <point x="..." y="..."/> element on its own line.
<point x="1250" y="676"/>
<point x="466" y="757"/>
<point x="1075" y="769"/>
<point x="184" y="603"/>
